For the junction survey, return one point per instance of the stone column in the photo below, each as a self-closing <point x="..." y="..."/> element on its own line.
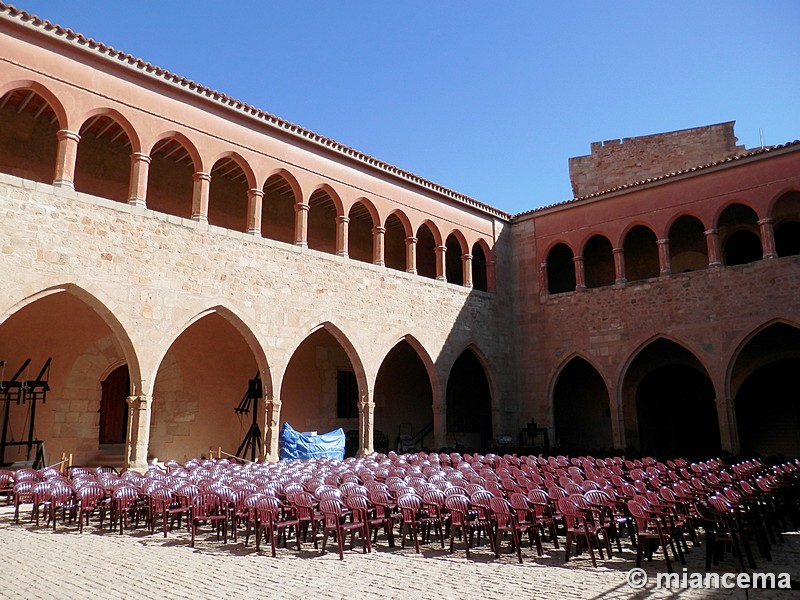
<point x="301" y="224"/>
<point x="439" y="425"/>
<point x="580" y="276"/>
<point x="378" y="246"/>
<point x="366" y="425"/>
<point x="543" y="285"/>
<point x="139" y="431"/>
<point x="411" y="254"/>
<point x="441" y="252"/>
<point x="140" y="168"/>
<point x="619" y="266"/>
<point x="664" y="266"/>
<point x="342" y="233"/>
<point x="66" y="158"/>
<point x="617" y="416"/>
<point x="466" y="266"/>
<point x="255" y="200"/>
<point x="273" y="433"/>
<point x="714" y="251"/>
<point x="200" y="192"/>
<point x="767" y="237"/>
<point x="728" y="431"/>
<point x="490" y="275"/>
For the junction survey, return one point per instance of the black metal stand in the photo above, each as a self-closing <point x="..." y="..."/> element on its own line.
<point x="533" y="431"/>
<point x="20" y="389"/>
<point x="252" y="439"/>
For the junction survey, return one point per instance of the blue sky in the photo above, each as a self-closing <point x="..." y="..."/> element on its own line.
<point x="489" y="99"/>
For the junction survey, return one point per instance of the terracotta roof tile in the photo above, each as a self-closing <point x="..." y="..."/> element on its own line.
<point x="628" y="186"/>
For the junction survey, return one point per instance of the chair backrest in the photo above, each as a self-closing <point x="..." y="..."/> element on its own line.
<point x="41" y="490"/>
<point x="268" y="508"/>
<point x="160" y="497"/>
<point x="481" y="500"/>
<point x="599" y="498"/>
<point x="125" y="496"/>
<point x="90" y="495"/>
<point x="720" y="504"/>
<point x="409" y="506"/>
<point x="333" y="510"/>
<point x="6" y="479"/>
<point x="455" y="490"/>
<point x="27" y="474"/>
<point x="556" y="493"/>
<point x="292" y="488"/>
<point x="23" y="491"/>
<point x="458" y="506"/>
<point x="61" y="494"/>
<point x="206" y="504"/>
<point x="359" y="506"/>
<point x="519" y="500"/>
<point x="434" y="502"/>
<point x="355" y="489"/>
<point x="501" y="509"/>
<point x="567" y="507"/>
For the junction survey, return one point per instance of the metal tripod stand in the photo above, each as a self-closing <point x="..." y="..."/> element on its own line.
<point x="252" y="439"/>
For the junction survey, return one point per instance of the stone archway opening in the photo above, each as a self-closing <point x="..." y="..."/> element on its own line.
<point x="170" y="182"/>
<point x="395" y="244"/>
<point x="581" y="409"/>
<point x="359" y="245"/>
<point x="669" y="404"/>
<point x="103" y="164"/>
<point x="227" y="195"/>
<point x="83" y="348"/>
<point x="278" y="210"/>
<point x="403" y="400"/>
<point x="768" y="412"/>
<point x="199" y="385"/>
<point x="28" y="128"/>
<point x="764" y="381"/>
<point x="469" y="404"/>
<point x="677" y="414"/>
<point x="320" y="391"/>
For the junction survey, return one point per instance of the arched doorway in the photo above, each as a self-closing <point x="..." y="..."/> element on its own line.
<point x="768" y="411"/>
<point x="115" y="389"/>
<point x="469" y="404"/>
<point x="319" y="392"/>
<point x="581" y="407"/>
<point x="198" y="388"/>
<point x="67" y="329"/>
<point x="677" y="414"/>
<point x="403" y="399"/>
<point x="669" y="404"/>
<point x="764" y="382"/>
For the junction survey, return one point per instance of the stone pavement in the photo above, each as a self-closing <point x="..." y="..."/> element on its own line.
<point x="37" y="563"/>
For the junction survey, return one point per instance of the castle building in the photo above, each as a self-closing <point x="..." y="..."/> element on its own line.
<point x="164" y="244"/>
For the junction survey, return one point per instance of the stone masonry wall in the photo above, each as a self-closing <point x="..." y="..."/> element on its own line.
<point x="614" y="163"/>
<point x="156" y="273"/>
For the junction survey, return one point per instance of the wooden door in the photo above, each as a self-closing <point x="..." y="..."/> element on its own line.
<point x="114" y="406"/>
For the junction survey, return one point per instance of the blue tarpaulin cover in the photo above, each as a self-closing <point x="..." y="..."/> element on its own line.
<point x="296" y="445"/>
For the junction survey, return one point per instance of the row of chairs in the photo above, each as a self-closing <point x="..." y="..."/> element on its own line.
<point x="492" y="497"/>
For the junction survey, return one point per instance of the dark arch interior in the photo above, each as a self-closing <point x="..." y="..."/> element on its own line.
<point x="469" y="403"/>
<point x="768" y="409"/>
<point x="742" y="247"/>
<point x="677" y="413"/>
<point x="582" y="414"/>
<point x="403" y="400"/>
<point x="560" y="270"/>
